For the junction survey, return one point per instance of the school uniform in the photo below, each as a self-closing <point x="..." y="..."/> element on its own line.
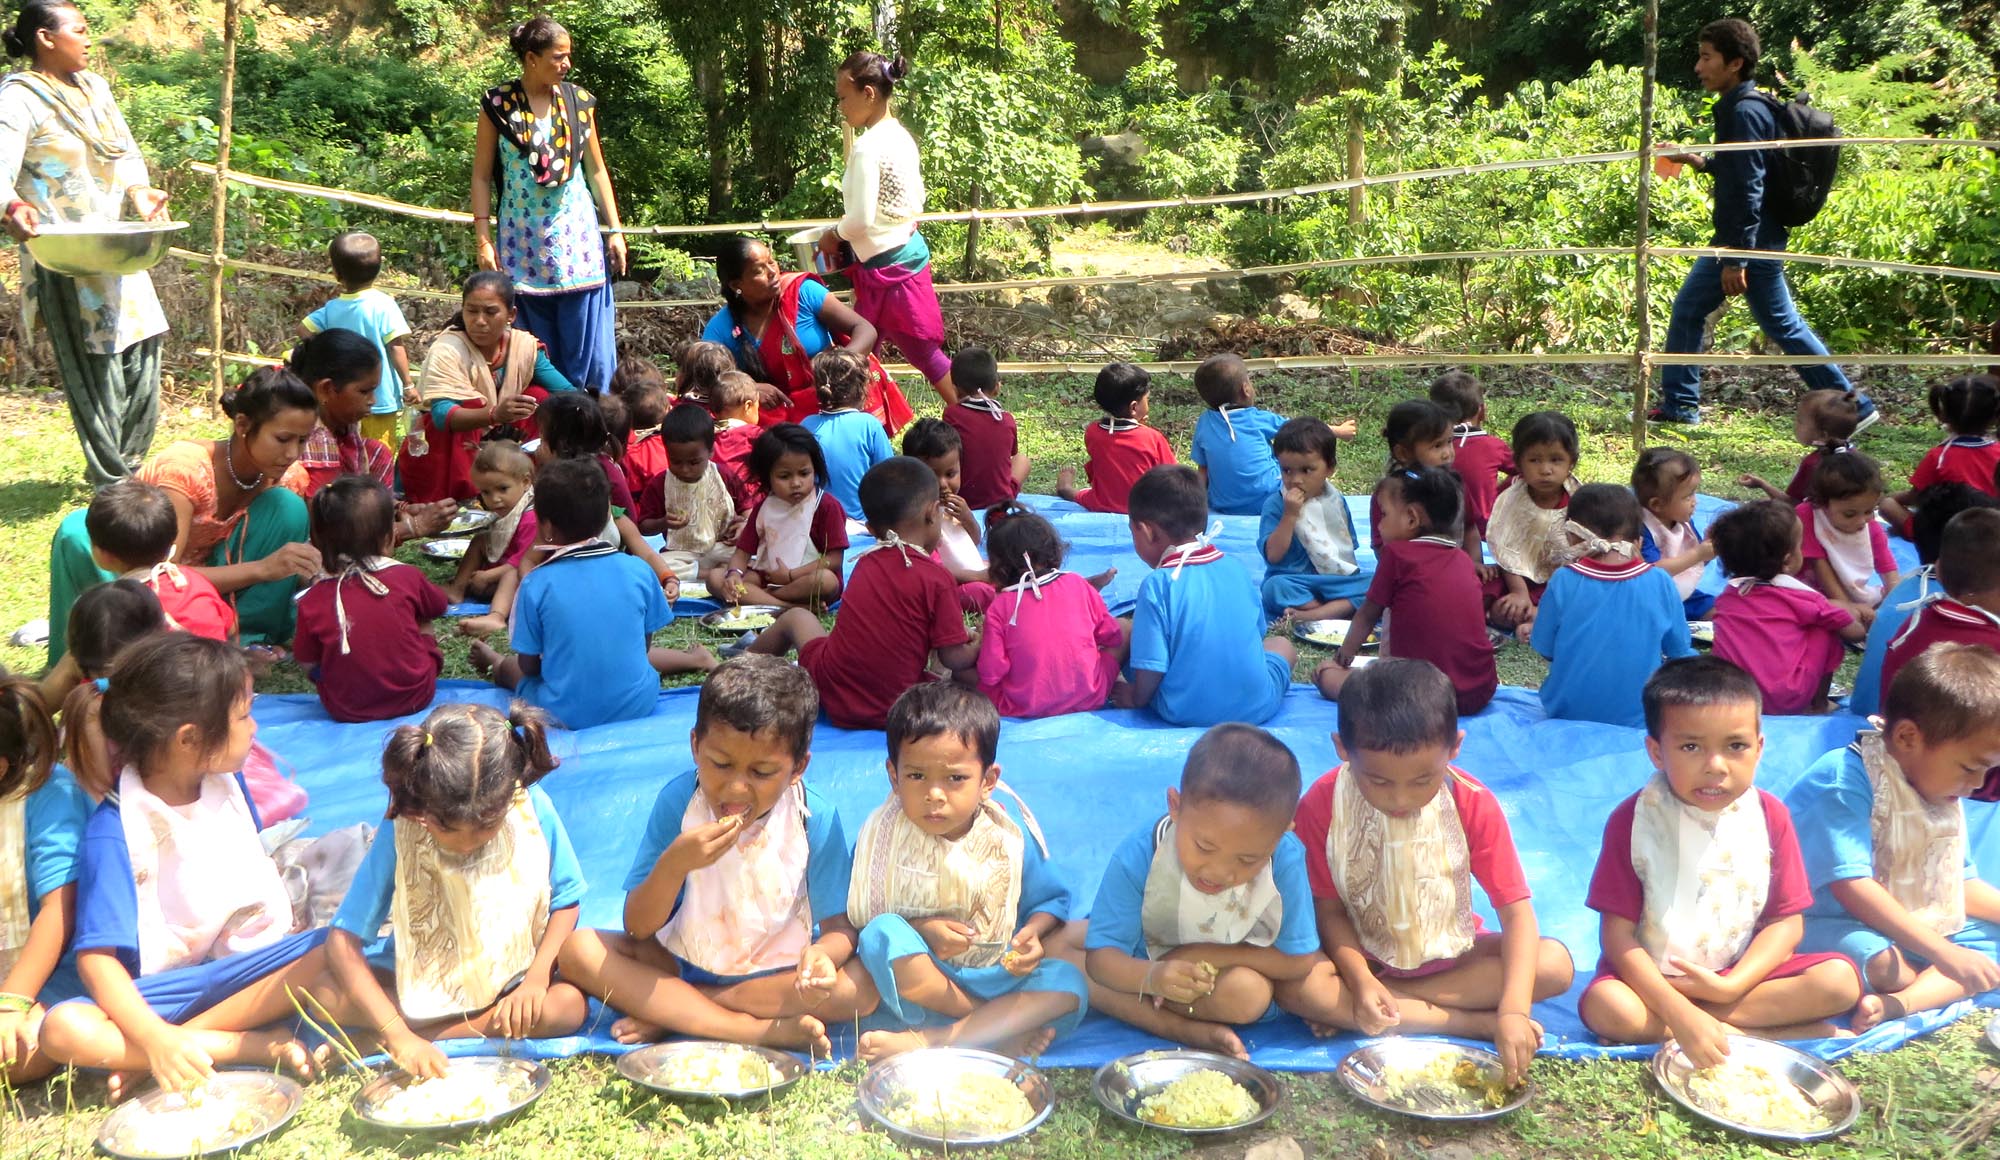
<point x="364" y="636"/>
<point x="1320" y="565"/>
<point x="772" y="536"/>
<point x="1838" y="804"/>
<point x="706" y="504"/>
<point x="41" y="837"/>
<point x="1784" y="634"/>
<point x="733" y="440"/>
<point x="1604" y="628"/>
<point x="1966" y="459"/>
<point x="1943" y="621"/>
<point x="759" y="906"/>
<point x="1198" y="625"/>
<point x="589" y="614"/>
<point x="645" y="460"/>
<point x="989" y="439"/>
<point x="1367" y="860"/>
<point x="1118" y="452"/>
<point x="1234" y="444"/>
<point x="1657" y="541"/>
<point x="1480" y="461"/>
<point x="1431" y="593"/>
<point x="1799" y="490"/>
<point x="1862" y="559"/>
<point x="852" y="442"/>
<point x="900" y="606"/>
<point x="1001" y="864"/>
<point x="1910" y="593"/>
<point x="1522" y="536"/>
<point x="1049" y="647"/>
<point x="189" y="601"/>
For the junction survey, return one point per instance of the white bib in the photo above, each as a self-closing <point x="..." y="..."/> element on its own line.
<point x="1919" y="843"/>
<point x="1175" y="914"/>
<point x="1327" y="535"/>
<point x="1705" y="876"/>
<point x="749" y="912"/>
<point x="1852" y="556"/>
<point x="784" y="533"/>
<point x="206" y="889"/>
<point x="13" y="881"/>
<point x="468" y="925"/>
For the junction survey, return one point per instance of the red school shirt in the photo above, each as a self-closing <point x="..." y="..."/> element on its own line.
<point x="1480" y="460"/>
<point x="392" y="663"/>
<point x="645" y="460"/>
<point x="732" y="459"/>
<point x="1429" y="587"/>
<point x="1615" y="888"/>
<point x="898" y="607"/>
<point x="1495" y="864"/>
<point x="991" y="440"/>
<point x="191" y="602"/>
<point x="1120" y="451"/>
<point x="1946" y="621"/>
<point x="1970" y="460"/>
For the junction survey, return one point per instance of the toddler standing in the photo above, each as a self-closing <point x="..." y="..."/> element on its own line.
<point x="1767" y="622"/>
<point x="356" y="259"/>
<point x="1120" y="447"/>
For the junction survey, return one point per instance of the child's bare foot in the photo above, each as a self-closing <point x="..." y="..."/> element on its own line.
<point x="879" y="1045"/>
<point x="485" y="625"/>
<point x="1874" y="1009"/>
<point x="1323" y="1030"/>
<point x="635" y="1030"/>
<point x="1103" y="579"/>
<point x="1217" y="1037"/>
<point x="1027" y="1046"/>
<point x="295" y="1057"/>
<point x="704" y="658"/>
<point x="800" y="1033"/>
<point x="483" y="657"/>
<point x="120" y="1086"/>
<point x="1066" y="483"/>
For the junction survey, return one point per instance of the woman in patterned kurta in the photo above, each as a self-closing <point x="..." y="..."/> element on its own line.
<point x="537" y="136"/>
<point x="66" y="155"/>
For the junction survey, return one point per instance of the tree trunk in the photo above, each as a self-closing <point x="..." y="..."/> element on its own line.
<point x="1357" y="198"/>
<point x="708" y="79"/>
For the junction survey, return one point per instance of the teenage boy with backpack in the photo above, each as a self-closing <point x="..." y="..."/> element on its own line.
<point x="1756" y="202"/>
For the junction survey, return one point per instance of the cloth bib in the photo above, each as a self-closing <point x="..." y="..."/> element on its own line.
<point x="1174" y="914"/>
<point x="900" y="869"/>
<point x="206" y="889"/>
<point x="468" y="925"/>
<point x="1705" y="875"/>
<point x="784" y="532"/>
<point x="1323" y="529"/>
<point x="1406" y="882"/>
<point x="1852" y="557"/>
<point x="1919" y="844"/>
<point x="749" y="912"/>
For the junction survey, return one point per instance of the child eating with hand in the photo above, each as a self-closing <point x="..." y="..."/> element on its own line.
<point x="501" y="552"/>
<point x="689" y="502"/>
<point x="1306" y="530"/>
<point x="790" y="550"/>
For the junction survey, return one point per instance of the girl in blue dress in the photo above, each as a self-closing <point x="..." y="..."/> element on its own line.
<point x="41" y="825"/>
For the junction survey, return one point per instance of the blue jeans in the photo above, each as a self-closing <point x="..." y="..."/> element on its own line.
<point x="1770" y="303"/>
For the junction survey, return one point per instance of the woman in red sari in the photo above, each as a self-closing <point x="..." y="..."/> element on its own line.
<point x="774" y="323"/>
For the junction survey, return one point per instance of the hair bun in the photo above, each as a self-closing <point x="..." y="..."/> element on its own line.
<point x="12" y="41"/>
<point x="897" y="68"/>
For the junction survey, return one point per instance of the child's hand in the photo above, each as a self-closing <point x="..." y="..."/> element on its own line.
<point x="1375" y="1007"/>
<point x="676" y="519"/>
<point x="1123" y="696"/>
<point x="1751" y="479"/>
<point x="733" y="528"/>
<point x="1865" y="615"/>
<point x="1487" y="573"/>
<point x="816" y="976"/>
<point x="415" y="1054"/>
<point x="1329" y="664"/>
<point x="699" y="848"/>
<point x="1702" y="1038"/>
<point x="175" y="1059"/>
<point x="1182" y="982"/>
<point x="1345" y="429"/>
<point x="17" y="1034"/>
<point x="410" y="397"/>
<point x="955" y="506"/>
<point x="1295" y="501"/>
<point x="519" y="1010"/>
<point x="513" y="409"/>
<point x="670" y="584"/>
<point x="948" y="938"/>
<point x="1024" y="955"/>
<point x="1703" y="985"/>
<point x="1513" y="606"/>
<point x="1103" y="579"/>
<point x="1517" y="1040"/>
<point x="1969" y="969"/>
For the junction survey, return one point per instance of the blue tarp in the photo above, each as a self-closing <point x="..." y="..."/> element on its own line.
<point x="1093" y="777"/>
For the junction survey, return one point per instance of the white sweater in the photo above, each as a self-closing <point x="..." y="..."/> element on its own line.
<point x="882" y="191"/>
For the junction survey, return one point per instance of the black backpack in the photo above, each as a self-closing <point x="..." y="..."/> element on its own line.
<point x="1798" y="180"/>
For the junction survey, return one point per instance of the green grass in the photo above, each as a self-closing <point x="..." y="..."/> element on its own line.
<point x="1921" y="1101"/>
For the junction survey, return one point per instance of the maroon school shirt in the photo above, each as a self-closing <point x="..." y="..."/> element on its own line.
<point x="895" y="612"/>
<point x="392" y="663"/>
<point x="732" y="459"/>
<point x="1437" y="614"/>
<point x="986" y="465"/>
<point x="1480" y="461"/>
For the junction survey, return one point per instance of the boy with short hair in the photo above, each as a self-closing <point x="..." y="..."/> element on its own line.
<point x="356" y="258"/>
<point x="1232" y="439"/>
<point x="1395" y="836"/>
<point x="1937" y="505"/>
<point x="639" y="383"/>
<point x="1968" y="567"/>
<point x="1204" y="917"/>
<point x="1700" y="887"/>
<point x="1883" y="835"/>
<point x="584" y="618"/>
<point x="734" y="401"/>
<point x="689" y="502"/>
<point x="993" y="467"/>
<point x="942" y="449"/>
<point x="736" y="906"/>
<point x="133" y="531"/>
<point x="899" y="607"/>
<point x="1480" y="460"/>
<point x="1199" y="655"/>
<point x="1119" y="447"/>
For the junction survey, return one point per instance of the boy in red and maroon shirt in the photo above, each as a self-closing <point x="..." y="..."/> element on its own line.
<point x="1120" y="447"/>
<point x="1480" y="460"/>
<point x="991" y="466"/>
<point x="898" y="608"/>
<point x="735" y="405"/>
<point x="133" y="530"/>
<point x="1968" y="566"/>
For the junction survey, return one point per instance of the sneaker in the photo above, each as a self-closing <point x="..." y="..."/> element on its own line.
<point x="1869" y="415"/>
<point x="742" y="645"/>
<point x="1662" y="415"/>
<point x="32" y="633"/>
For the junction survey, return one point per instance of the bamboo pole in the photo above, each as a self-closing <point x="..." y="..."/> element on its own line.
<point x="225" y="123"/>
<point x="1641" y="272"/>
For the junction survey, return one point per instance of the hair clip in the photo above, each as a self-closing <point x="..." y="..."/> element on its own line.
<point x="1412" y="473"/>
<point x="427" y="739"/>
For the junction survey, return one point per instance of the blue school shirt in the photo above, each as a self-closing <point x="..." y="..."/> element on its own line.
<point x="107" y="900"/>
<point x="1830" y="804"/>
<point x="55" y="817"/>
<point x="827" y="856"/>
<point x="1604" y="629"/>
<point x="371" y="895"/>
<point x="852" y="442"/>
<point x="1890" y="617"/>
<point x="1204" y="631"/>
<point x="813" y="338"/>
<point x="589" y="615"/>
<point x="1043" y="889"/>
<point x="1243" y="471"/>
<point x="1297" y="561"/>
<point x="374" y="316"/>
<point x="1121" y="895"/>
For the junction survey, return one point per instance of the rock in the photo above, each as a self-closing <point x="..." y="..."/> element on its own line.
<point x="1293" y="308"/>
<point x="1195" y="314"/>
<point x="626" y="291"/>
<point x="1277" y="1148"/>
<point x="1115" y="148"/>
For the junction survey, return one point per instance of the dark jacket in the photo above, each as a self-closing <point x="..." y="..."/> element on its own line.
<point x="1740" y="223"/>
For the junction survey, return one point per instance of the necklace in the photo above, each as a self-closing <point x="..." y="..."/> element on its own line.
<point x="229" y="462"/>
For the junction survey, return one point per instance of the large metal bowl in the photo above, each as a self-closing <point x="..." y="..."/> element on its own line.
<point x="1123" y="1084"/>
<point x="643" y="1068"/>
<point x="523" y="1079"/>
<point x="1366" y="1072"/>
<point x="91" y="249"/>
<point x="1828" y="1089"/>
<point x="267" y="1101"/>
<point x="926" y="1070"/>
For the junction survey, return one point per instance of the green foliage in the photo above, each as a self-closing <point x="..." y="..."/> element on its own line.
<point x="1191" y="145"/>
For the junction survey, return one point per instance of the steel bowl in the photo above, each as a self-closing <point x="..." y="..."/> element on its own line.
<point x="1331" y="633"/>
<point x="715" y="620"/>
<point x="1829" y="1090"/>
<point x="1993" y="1032"/>
<point x="1367" y="1069"/>
<point x="694" y="590"/>
<point x="271" y="1099"/>
<point x="1702" y="632"/>
<point x="468" y="520"/>
<point x="927" y="1069"/>
<point x="643" y="1066"/>
<point x="92" y="249"/>
<point x="1123" y="1084"/>
<point x="523" y="1079"/>
<point x="450" y="549"/>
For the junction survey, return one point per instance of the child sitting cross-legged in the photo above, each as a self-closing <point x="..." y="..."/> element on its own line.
<point x="1968" y="569"/>
<point x="364" y="631"/>
<point x="1120" y="447"/>
<point x="586" y="615"/>
<point x="1395" y="837"/>
<point x="1232" y="439"/>
<point x="1883" y="835"/>
<point x="736" y="906"/>
<point x="851" y="439"/>
<point x="1846" y="549"/>
<point x="475" y="873"/>
<point x="1700" y="886"/>
<point x="1666" y="480"/>
<point x="501" y="552"/>
<point x="689" y="501"/>
<point x="1608" y="616"/>
<point x="1786" y="635"/>
<point x="941" y="448"/>
<point x="789" y="552"/>
<point x="1049" y="645"/>
<point x="954" y="894"/>
<point x="901" y="607"/>
<point x="1204" y="917"/>
<point x="1306" y="530"/>
<point x="1199" y="656"/>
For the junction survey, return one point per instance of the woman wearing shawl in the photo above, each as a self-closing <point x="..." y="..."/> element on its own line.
<point x="66" y="155"/>
<point x="536" y="135"/>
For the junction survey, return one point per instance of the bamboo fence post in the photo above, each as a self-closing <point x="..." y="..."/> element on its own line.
<point x="225" y="126"/>
<point x="1641" y="274"/>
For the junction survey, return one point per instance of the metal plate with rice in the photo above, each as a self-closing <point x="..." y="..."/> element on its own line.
<point x="1381" y="1074"/>
<point x="468" y="520"/>
<point x="1833" y="1098"/>
<point x="503" y="1088"/>
<point x="693" y="590"/>
<point x="1122" y="1085"/>
<point x="1331" y="633"/>
<point x="648" y="1065"/>
<point x="916" y="1078"/>
<point x="742" y="618"/>
<point x="453" y="549"/>
<point x="227" y="1111"/>
<point x="1702" y="632"/>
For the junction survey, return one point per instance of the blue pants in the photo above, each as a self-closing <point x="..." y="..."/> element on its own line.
<point x="1284" y="590"/>
<point x="577" y="328"/>
<point x="1770" y="302"/>
<point x="1861" y="942"/>
<point x="1699" y="605"/>
<point x="891" y="937"/>
<point x="185" y="992"/>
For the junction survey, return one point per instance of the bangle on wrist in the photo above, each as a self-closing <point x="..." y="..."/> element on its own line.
<point x="11" y="1002"/>
<point x="1146" y="984"/>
